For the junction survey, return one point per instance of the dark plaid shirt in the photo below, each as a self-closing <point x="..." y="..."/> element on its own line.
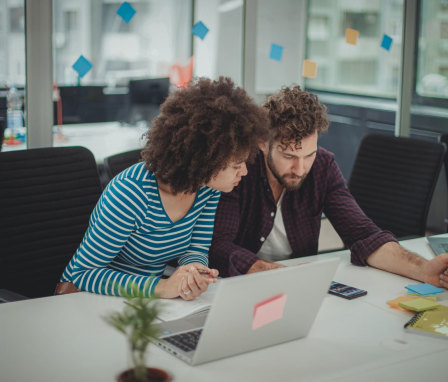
<point x="245" y="217"/>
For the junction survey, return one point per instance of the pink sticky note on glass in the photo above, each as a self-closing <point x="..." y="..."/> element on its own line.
<point x="268" y="311"/>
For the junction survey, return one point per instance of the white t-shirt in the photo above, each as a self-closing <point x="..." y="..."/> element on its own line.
<point x="276" y="246"/>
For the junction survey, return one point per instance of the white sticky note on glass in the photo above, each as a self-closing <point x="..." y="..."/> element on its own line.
<point x="268" y="311"/>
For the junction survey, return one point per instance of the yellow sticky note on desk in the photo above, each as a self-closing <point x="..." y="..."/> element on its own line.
<point x="396" y="301"/>
<point x="309" y="69"/>
<point x="419" y="304"/>
<point x="410" y="296"/>
<point x="351" y="36"/>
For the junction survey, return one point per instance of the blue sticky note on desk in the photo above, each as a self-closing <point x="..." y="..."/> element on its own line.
<point x="200" y="30"/>
<point x="276" y="52"/>
<point x="424" y="289"/>
<point x="82" y="66"/>
<point x="386" y="42"/>
<point x="126" y="12"/>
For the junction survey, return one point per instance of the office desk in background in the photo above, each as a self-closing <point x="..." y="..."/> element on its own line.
<point x="102" y="139"/>
<point x="64" y="338"/>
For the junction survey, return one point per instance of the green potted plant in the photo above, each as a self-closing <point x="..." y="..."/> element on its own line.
<point x="136" y="322"/>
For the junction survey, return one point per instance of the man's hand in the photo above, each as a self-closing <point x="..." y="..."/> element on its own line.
<point x="188" y="282"/>
<point x="263" y="265"/>
<point x="436" y="271"/>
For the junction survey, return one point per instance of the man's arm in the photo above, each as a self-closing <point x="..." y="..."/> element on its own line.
<point x="392" y="257"/>
<point x="369" y="244"/>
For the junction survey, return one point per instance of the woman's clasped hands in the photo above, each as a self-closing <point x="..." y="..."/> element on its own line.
<point x="188" y="282"/>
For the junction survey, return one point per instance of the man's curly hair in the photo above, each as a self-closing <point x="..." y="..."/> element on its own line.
<point x="295" y="114"/>
<point x="200" y="130"/>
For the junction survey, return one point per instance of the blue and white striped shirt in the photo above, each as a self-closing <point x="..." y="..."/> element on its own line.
<point x="130" y="237"/>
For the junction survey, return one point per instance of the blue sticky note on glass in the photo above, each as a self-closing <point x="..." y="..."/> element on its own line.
<point x="82" y="66"/>
<point x="126" y="12"/>
<point x="200" y="30"/>
<point x="387" y="42"/>
<point x="276" y="52"/>
<point x="424" y="289"/>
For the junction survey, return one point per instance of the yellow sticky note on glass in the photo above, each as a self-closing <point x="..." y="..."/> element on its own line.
<point x="351" y="36"/>
<point x="419" y="304"/>
<point x="309" y="69"/>
<point x="268" y="311"/>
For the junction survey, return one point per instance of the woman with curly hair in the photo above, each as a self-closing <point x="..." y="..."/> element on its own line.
<point x="163" y="208"/>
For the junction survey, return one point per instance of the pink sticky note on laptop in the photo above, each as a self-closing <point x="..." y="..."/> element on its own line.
<point x="268" y="311"/>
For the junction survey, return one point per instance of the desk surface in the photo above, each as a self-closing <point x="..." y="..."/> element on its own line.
<point x="64" y="338"/>
<point x="102" y="139"/>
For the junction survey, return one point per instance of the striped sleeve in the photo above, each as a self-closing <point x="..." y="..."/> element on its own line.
<point x="202" y="233"/>
<point x="120" y="210"/>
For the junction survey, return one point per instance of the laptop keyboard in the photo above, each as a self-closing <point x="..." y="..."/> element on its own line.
<point x="185" y="341"/>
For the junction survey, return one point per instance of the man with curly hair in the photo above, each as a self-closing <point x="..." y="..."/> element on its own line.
<point x="163" y="208"/>
<point x="275" y="212"/>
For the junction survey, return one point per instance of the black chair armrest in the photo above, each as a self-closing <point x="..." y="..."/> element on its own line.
<point x="9" y="296"/>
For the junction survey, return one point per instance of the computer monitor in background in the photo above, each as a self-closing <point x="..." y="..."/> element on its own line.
<point x="146" y="96"/>
<point x="82" y="104"/>
<point x="91" y="104"/>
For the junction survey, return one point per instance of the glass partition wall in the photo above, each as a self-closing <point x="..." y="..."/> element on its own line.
<point x="100" y="47"/>
<point x="365" y="68"/>
<point x="432" y="67"/>
<point x="154" y="40"/>
<point x="12" y="75"/>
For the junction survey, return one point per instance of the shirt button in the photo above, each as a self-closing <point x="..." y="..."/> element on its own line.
<point x="262" y="239"/>
<point x="272" y="214"/>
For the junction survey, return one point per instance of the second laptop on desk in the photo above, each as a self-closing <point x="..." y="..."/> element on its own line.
<point x="251" y="312"/>
<point x="438" y="245"/>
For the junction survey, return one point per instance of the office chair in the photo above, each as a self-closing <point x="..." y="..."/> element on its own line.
<point x="3" y="113"/>
<point x="46" y="198"/>
<point x="2" y="132"/>
<point x="115" y="164"/>
<point x="393" y="180"/>
<point x="444" y="139"/>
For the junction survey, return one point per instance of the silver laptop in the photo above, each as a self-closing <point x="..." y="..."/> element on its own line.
<point x="252" y="312"/>
<point x="438" y="244"/>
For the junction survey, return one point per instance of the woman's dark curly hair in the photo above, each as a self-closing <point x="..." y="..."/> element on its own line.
<point x="200" y="130"/>
<point x="295" y="114"/>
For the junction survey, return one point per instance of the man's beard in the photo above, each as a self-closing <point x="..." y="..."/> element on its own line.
<point x="282" y="180"/>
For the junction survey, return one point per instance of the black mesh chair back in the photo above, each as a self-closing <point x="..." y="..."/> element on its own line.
<point x="46" y="198"/>
<point x="444" y="139"/>
<point x="119" y="162"/>
<point x="393" y="180"/>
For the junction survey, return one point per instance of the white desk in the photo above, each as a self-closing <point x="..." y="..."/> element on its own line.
<point x="63" y="338"/>
<point x="102" y="139"/>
